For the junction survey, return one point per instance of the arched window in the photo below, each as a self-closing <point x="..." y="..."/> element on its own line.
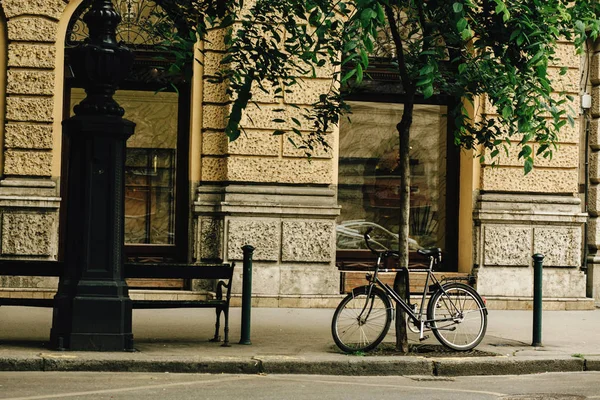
<point x="158" y="101"/>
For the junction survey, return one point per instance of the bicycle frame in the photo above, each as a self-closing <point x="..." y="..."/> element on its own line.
<point x="417" y="318"/>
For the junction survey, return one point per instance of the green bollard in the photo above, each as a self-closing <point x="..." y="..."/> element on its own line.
<point x="246" y="294"/>
<point x="537" y="299"/>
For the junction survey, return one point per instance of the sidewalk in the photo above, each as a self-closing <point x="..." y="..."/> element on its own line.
<point x="288" y="340"/>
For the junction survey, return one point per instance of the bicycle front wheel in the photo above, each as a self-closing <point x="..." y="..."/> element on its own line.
<point x="458" y="316"/>
<point x="361" y="320"/>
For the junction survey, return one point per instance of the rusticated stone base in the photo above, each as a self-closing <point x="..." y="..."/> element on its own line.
<point x="292" y="229"/>
<point x="509" y="229"/>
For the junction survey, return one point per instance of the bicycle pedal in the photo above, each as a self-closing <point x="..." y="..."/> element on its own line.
<point x="424" y="338"/>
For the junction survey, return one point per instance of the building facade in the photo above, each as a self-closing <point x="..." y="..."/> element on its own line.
<point x="193" y="196"/>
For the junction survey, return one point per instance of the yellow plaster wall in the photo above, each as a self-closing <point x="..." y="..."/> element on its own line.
<point x="34" y="39"/>
<point x="257" y="155"/>
<point x="558" y="175"/>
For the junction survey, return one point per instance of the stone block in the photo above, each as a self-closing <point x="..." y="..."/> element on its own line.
<point x="214" y="117"/>
<point x="594" y="166"/>
<point x="561" y="247"/>
<point x="263" y="117"/>
<point x="210" y="237"/>
<point x="31" y="163"/>
<point x="298" y="171"/>
<point x="214" y="143"/>
<point x="505" y="281"/>
<point x="30" y="82"/>
<point x="31" y="55"/>
<point x="215" y="39"/>
<point x="34" y="109"/>
<point x="307" y="280"/>
<point x="563" y="282"/>
<point x="579" y="305"/>
<point x="256" y="143"/>
<point x="565" y="156"/>
<point x="29" y="234"/>
<point x="26" y="136"/>
<point x="566" y="56"/>
<point x="594" y="138"/>
<point x="265" y="279"/>
<point x="507" y="245"/>
<point x="319" y="150"/>
<point x="214" y="169"/>
<point x="595" y="110"/>
<point x="541" y="180"/>
<point x="307" y="91"/>
<point x="48" y="8"/>
<point x="594" y="228"/>
<point x="595" y="69"/>
<point x="215" y="92"/>
<point x="308" y="241"/>
<point x="212" y="63"/>
<point x="568" y="83"/>
<point x="32" y="29"/>
<point x="263" y="234"/>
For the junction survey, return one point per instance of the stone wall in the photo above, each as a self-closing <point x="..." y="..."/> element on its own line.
<point x="260" y="190"/>
<point x="593" y="261"/>
<point x="518" y="215"/>
<point x="29" y="201"/>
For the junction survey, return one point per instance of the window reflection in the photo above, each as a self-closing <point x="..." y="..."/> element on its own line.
<point x="369" y="175"/>
<point x="150" y="165"/>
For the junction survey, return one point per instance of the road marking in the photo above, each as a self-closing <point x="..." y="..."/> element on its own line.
<point x="389" y="386"/>
<point x="130" y="389"/>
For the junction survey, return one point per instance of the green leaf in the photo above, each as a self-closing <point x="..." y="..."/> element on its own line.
<point x="349" y="75"/>
<point x="428" y="91"/>
<point x="528" y="165"/>
<point x="359" y="73"/>
<point x="457" y="7"/>
<point x="461" y="24"/>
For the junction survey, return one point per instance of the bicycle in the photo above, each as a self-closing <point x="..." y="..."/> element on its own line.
<point x="456" y="313"/>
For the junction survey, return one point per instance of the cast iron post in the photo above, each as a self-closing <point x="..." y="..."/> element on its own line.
<point x="92" y="308"/>
<point x="246" y="294"/>
<point x="537" y="299"/>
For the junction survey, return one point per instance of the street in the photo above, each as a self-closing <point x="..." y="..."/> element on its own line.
<point x="132" y="386"/>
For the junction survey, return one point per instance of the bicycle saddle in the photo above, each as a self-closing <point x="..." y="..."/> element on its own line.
<point x="432" y="252"/>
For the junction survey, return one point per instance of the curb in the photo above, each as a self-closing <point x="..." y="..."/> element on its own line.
<point x="310" y="366"/>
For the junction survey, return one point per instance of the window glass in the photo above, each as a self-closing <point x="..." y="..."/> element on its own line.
<point x="369" y="175"/>
<point x="149" y="166"/>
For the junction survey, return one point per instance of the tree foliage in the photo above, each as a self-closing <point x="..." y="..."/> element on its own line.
<point x="461" y="48"/>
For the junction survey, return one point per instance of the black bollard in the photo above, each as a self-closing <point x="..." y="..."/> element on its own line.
<point x="246" y="294"/>
<point x="537" y="299"/>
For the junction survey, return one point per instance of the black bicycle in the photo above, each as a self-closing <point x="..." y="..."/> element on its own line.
<point x="456" y="313"/>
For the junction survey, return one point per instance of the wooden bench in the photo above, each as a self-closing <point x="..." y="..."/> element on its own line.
<point x="221" y="272"/>
<point x="355" y="264"/>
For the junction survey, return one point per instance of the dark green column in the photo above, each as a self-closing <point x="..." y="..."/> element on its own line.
<point x="92" y="308"/>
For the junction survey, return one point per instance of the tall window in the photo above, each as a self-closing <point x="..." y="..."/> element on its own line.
<point x="156" y="170"/>
<point x="368" y="181"/>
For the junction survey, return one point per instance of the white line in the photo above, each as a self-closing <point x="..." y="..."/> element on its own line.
<point x="390" y="386"/>
<point x="127" y="389"/>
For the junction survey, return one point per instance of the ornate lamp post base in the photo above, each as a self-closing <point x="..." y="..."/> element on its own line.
<point x="92" y="307"/>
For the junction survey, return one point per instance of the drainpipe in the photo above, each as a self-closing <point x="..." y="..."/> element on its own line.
<point x="586" y="104"/>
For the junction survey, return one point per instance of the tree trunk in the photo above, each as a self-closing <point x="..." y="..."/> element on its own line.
<point x="401" y="280"/>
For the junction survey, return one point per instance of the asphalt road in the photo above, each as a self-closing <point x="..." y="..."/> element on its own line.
<point x="133" y="386"/>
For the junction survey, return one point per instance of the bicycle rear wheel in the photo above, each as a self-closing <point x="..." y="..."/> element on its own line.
<point x="459" y="316"/>
<point x="361" y="320"/>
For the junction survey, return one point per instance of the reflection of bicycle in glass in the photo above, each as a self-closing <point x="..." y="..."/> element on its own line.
<point x="456" y="313"/>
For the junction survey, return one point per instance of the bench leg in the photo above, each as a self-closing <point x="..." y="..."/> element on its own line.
<point x="217" y="338"/>
<point x="226" y="330"/>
